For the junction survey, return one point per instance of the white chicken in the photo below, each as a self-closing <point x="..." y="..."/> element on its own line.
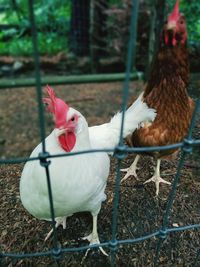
<point x="78" y="182"/>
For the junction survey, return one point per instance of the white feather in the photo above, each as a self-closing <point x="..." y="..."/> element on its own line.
<point x="107" y="135"/>
<point x="78" y="182"/>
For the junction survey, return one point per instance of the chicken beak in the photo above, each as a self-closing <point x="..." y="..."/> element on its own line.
<point x="171" y="25"/>
<point x="62" y="131"/>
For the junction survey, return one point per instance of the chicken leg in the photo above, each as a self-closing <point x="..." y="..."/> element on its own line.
<point x="131" y="170"/>
<point x="59" y="221"/>
<point x="156" y="177"/>
<point x="93" y="238"/>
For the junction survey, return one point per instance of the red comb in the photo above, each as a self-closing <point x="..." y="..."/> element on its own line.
<point x="59" y="110"/>
<point x="57" y="107"/>
<point x="175" y="12"/>
<point x="51" y="102"/>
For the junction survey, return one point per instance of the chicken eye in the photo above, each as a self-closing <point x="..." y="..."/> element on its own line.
<point x="72" y="119"/>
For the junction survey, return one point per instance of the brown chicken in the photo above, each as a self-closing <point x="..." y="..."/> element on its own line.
<point x="166" y="91"/>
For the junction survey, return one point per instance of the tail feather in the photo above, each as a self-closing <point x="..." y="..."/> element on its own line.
<point x="137" y="113"/>
<point x="107" y="135"/>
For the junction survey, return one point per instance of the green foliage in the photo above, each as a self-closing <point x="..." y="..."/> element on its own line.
<point x="192" y="11"/>
<point x="53" y="23"/>
<point x="48" y="44"/>
<point x="52" y="18"/>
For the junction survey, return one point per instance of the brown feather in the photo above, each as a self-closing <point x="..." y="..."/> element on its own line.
<point x="166" y="91"/>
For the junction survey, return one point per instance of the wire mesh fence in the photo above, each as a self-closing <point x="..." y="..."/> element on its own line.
<point x="120" y="152"/>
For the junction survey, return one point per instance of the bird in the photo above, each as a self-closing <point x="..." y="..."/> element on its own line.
<point x="166" y="91"/>
<point x="78" y="182"/>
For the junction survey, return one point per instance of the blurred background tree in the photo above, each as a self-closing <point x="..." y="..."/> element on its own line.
<point x="53" y="22"/>
<point x="96" y="29"/>
<point x="80" y="27"/>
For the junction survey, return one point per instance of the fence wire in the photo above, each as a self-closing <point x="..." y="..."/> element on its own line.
<point x="120" y="153"/>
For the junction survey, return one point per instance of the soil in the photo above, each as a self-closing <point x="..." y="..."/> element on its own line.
<point x="140" y="212"/>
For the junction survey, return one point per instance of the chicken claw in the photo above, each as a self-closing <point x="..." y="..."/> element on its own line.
<point x="93" y="238"/>
<point x="156" y="178"/>
<point x="131" y="170"/>
<point x="59" y="221"/>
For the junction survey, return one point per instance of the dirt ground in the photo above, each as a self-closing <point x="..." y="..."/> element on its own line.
<point x="140" y="213"/>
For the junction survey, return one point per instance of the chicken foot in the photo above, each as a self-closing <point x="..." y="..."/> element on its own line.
<point x="131" y="170"/>
<point x="59" y="221"/>
<point x="156" y="178"/>
<point x="93" y="238"/>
